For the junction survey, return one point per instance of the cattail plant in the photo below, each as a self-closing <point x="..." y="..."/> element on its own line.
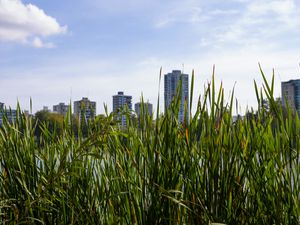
<point x="207" y="170"/>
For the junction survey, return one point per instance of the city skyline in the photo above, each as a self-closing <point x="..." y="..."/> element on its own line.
<point x="290" y="95"/>
<point x="60" y="51"/>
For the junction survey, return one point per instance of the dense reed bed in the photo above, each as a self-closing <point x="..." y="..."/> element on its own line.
<point x="208" y="170"/>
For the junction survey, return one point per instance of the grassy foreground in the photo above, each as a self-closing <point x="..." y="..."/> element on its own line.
<point x="208" y="170"/>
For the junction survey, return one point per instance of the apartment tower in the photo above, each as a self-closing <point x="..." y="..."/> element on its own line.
<point x="171" y="83"/>
<point x="290" y="92"/>
<point x="119" y="102"/>
<point x="85" y="109"/>
<point x="61" y="109"/>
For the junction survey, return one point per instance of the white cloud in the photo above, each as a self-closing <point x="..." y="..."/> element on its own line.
<point x="262" y="23"/>
<point x="20" y="22"/>
<point x="233" y="23"/>
<point x="191" y="12"/>
<point x="218" y="12"/>
<point x="278" y="11"/>
<point x="180" y="12"/>
<point x="38" y="43"/>
<point x="280" y="7"/>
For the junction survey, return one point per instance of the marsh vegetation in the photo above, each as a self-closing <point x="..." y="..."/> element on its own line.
<point x="208" y="169"/>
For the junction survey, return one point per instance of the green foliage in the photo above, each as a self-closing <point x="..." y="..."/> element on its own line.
<point x="208" y="170"/>
<point x="53" y="122"/>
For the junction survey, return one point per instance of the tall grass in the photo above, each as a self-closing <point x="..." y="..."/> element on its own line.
<point x="207" y="170"/>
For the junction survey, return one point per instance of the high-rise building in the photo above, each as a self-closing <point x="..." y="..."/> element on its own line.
<point x="85" y="109"/>
<point x="146" y="106"/>
<point x="290" y="92"/>
<point x="61" y="108"/>
<point x="172" y="81"/>
<point x="119" y="102"/>
<point x="1" y="106"/>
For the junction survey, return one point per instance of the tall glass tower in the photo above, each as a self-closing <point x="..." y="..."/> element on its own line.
<point x="172" y="81"/>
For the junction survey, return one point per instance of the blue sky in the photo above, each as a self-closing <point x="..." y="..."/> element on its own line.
<point x="54" y="51"/>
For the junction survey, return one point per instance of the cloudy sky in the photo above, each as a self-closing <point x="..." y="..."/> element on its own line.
<point x="57" y="51"/>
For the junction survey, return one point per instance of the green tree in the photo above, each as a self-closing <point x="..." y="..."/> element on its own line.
<point x="53" y="121"/>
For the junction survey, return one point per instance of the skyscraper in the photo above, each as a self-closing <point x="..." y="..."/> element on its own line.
<point x="85" y="107"/>
<point x="172" y="81"/>
<point x="119" y="102"/>
<point x="290" y="92"/>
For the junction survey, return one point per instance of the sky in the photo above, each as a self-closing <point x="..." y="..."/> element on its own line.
<point x="60" y="51"/>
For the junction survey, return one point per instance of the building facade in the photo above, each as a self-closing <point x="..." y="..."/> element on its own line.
<point x="1" y="113"/>
<point x="85" y="109"/>
<point x="119" y="102"/>
<point x="145" y="106"/>
<point x="290" y="92"/>
<point x="171" y="83"/>
<point x="9" y="114"/>
<point x="61" y="109"/>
